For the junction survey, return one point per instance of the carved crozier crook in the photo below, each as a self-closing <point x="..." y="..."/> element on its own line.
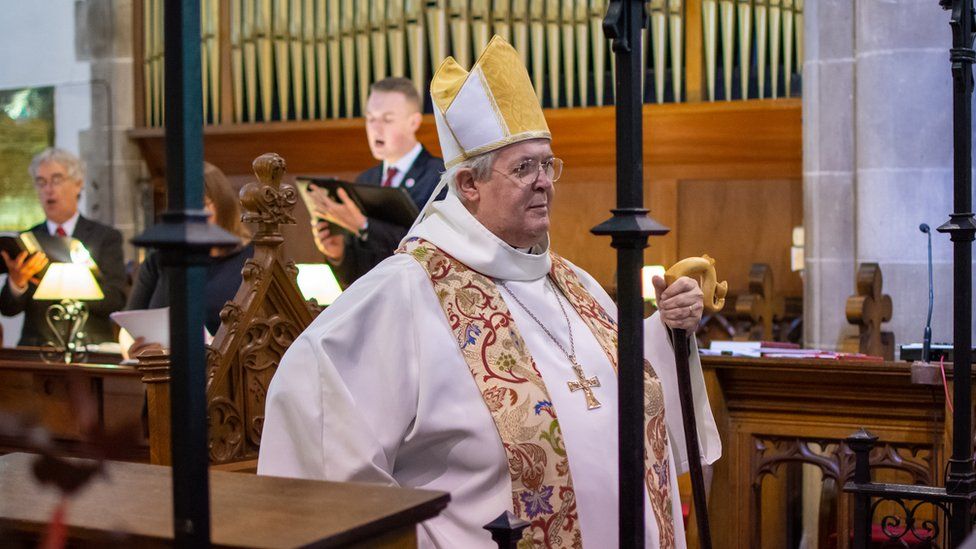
<point x="701" y="269"/>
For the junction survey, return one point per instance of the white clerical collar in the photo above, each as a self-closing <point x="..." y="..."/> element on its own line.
<point x="68" y="226"/>
<point x="452" y="228"/>
<point x="404" y="164"/>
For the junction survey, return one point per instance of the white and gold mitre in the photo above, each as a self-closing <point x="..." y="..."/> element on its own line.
<point x="487" y="108"/>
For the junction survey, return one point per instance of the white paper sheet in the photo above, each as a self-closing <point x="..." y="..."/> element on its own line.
<point x="150" y="324"/>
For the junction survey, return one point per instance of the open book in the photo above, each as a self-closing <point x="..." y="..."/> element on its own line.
<point x="390" y="204"/>
<point x="15" y="243"/>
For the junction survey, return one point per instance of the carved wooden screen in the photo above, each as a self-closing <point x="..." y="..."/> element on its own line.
<point x="256" y="328"/>
<point x="266" y="315"/>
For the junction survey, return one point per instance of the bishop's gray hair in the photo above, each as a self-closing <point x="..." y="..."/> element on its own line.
<point x="480" y="167"/>
<point x="73" y="166"/>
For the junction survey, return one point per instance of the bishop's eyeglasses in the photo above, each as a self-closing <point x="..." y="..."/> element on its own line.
<point x="527" y="171"/>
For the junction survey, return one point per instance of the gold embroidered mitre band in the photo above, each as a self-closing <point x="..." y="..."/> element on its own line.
<point x="491" y="106"/>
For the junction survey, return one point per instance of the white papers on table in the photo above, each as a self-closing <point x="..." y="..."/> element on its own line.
<point x="737" y="348"/>
<point x="149" y="324"/>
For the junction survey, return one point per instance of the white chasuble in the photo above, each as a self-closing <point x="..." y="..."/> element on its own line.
<point x="376" y="390"/>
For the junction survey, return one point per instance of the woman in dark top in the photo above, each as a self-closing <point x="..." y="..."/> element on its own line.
<point x="151" y="288"/>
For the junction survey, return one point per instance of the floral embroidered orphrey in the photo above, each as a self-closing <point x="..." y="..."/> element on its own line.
<point x="516" y="396"/>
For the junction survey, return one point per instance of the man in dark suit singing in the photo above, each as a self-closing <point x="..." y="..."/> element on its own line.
<point x="58" y="178"/>
<point x="392" y="119"/>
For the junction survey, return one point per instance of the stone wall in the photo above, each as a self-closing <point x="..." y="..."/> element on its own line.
<point x="877" y="149"/>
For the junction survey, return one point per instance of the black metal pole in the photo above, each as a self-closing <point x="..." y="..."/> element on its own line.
<point x="861" y="444"/>
<point x="961" y="478"/>
<point x="629" y="228"/>
<point x="185" y="239"/>
<point x="184" y="174"/>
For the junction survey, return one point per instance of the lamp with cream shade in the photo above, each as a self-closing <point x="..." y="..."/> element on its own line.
<point x="71" y="284"/>
<point x="648" y="272"/>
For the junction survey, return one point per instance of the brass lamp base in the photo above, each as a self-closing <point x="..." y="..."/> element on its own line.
<point x="67" y="322"/>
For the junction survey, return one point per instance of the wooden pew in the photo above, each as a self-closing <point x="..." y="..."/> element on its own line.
<point x="40" y="392"/>
<point x="775" y="414"/>
<point x="131" y="505"/>
<point x="266" y="315"/>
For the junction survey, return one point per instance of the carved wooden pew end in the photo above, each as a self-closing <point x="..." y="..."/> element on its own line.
<point x="868" y="309"/>
<point x="256" y="328"/>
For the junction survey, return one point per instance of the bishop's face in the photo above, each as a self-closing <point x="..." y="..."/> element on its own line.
<point x="514" y="203"/>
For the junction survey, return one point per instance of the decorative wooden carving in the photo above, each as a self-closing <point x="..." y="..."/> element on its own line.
<point x="256" y="328"/>
<point x="264" y="318"/>
<point x="868" y="309"/>
<point x="836" y="463"/>
<point x="760" y="306"/>
<point x="154" y="367"/>
<point x="773" y="452"/>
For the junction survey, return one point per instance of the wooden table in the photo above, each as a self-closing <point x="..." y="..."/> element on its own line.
<point x="132" y="505"/>
<point x="774" y="413"/>
<point x="38" y="390"/>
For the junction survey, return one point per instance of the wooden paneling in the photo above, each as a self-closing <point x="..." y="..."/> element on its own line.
<point x="40" y="391"/>
<point x="757" y="399"/>
<point x="740" y="223"/>
<point x="743" y="142"/>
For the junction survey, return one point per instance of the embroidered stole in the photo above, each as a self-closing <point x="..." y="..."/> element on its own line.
<point x="516" y="396"/>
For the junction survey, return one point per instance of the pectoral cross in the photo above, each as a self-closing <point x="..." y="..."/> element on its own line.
<point x="585" y="385"/>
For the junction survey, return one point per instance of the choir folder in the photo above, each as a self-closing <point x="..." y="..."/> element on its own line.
<point x="390" y="204"/>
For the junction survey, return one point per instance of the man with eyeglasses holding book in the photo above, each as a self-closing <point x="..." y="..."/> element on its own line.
<point x="59" y="178"/>
<point x="476" y="361"/>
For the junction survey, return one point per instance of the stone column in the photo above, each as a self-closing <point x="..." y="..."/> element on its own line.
<point x="829" y="210"/>
<point x="904" y="156"/>
<point x="104" y="31"/>
<point x="877" y="150"/>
